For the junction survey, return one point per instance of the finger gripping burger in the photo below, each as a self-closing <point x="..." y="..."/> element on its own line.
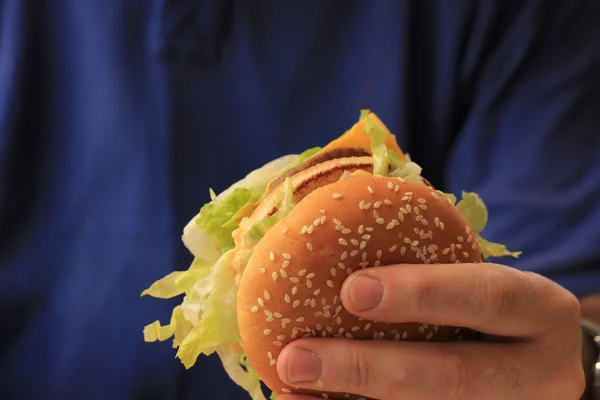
<point x="272" y="253"/>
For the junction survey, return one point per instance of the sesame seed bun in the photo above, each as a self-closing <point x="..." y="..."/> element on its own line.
<point x="291" y="285"/>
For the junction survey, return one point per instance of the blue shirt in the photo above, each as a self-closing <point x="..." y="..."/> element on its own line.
<point x="117" y="116"/>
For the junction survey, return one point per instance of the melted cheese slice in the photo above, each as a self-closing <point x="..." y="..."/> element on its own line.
<point x="358" y="139"/>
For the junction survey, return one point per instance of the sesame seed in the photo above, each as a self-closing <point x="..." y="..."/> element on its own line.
<point x="408" y="208"/>
<point x="379" y="253"/>
<point x="293" y="279"/>
<point x="354" y="253"/>
<point x="402" y="250"/>
<point x="294" y="290"/>
<point x="474" y="245"/>
<point x="361" y="205"/>
<point x="330" y="283"/>
<point x="354" y="242"/>
<point x="272" y="256"/>
<point x="403" y="210"/>
<point x="283" y="273"/>
<point x="274" y="276"/>
<point x="446" y="251"/>
<point x="370" y="189"/>
<point x="333" y="272"/>
<point x="323" y="219"/>
<point x="341" y="265"/>
<point x="346" y="231"/>
<point x="272" y="362"/>
<point x="285" y="390"/>
<point x="361" y="229"/>
<point x="429" y="335"/>
<point x="287" y="298"/>
<point x="277" y="315"/>
<point x="367" y="326"/>
<point x="254" y="309"/>
<point x="310" y="276"/>
<point x="317" y="222"/>
<point x="375" y="214"/>
<point x="337" y="221"/>
<point x="296" y="303"/>
<point x="441" y="225"/>
<point x="337" y="195"/>
<point x="391" y="225"/>
<point x="307" y="302"/>
<point x="260" y="302"/>
<point x="380" y="221"/>
<point x="343" y="242"/>
<point x="287" y="256"/>
<point x="343" y="256"/>
<point x="267" y="331"/>
<point x="267" y="295"/>
<point x="363" y="244"/>
<point x="393" y="248"/>
<point x="397" y="188"/>
<point x="316" y="292"/>
<point x="261" y="270"/>
<point x="364" y="256"/>
<point x="304" y="229"/>
<point x="309" y="283"/>
<point x="363" y="264"/>
<point x="465" y="254"/>
<point x="390" y="185"/>
<point x="309" y="246"/>
<point x="339" y="227"/>
<point x="377" y="204"/>
<point x="367" y="206"/>
<point x="301" y="272"/>
<point x="369" y="229"/>
<point x="310" y="229"/>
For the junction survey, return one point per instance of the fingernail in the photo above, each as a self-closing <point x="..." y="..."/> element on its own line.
<point x="365" y="292"/>
<point x="303" y="365"/>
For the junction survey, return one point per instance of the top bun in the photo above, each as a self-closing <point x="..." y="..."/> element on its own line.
<point x="291" y="285"/>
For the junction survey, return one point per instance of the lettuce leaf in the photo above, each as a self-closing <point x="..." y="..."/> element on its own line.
<point x="381" y="159"/>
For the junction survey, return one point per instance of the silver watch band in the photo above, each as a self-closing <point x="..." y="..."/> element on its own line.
<point x="593" y="331"/>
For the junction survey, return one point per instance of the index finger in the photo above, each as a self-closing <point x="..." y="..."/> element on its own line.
<point x="489" y="298"/>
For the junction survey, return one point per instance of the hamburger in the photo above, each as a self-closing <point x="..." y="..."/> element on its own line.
<point x="271" y="254"/>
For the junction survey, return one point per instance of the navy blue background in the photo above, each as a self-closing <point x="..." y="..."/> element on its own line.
<point x="117" y="116"/>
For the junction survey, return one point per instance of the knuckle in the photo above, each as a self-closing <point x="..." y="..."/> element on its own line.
<point x="358" y="376"/>
<point x="496" y="296"/>
<point x="419" y="292"/>
<point x="454" y="380"/>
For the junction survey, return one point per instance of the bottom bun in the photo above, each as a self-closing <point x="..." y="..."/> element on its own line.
<point x="291" y="286"/>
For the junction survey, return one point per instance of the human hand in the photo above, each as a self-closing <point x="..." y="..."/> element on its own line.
<point x="530" y="347"/>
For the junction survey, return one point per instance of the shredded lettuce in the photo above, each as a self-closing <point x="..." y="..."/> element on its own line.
<point x="239" y="370"/>
<point x="381" y="159"/>
<point x="221" y="217"/>
<point x="284" y="203"/>
<point x="475" y="212"/>
<point x="200" y="243"/>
